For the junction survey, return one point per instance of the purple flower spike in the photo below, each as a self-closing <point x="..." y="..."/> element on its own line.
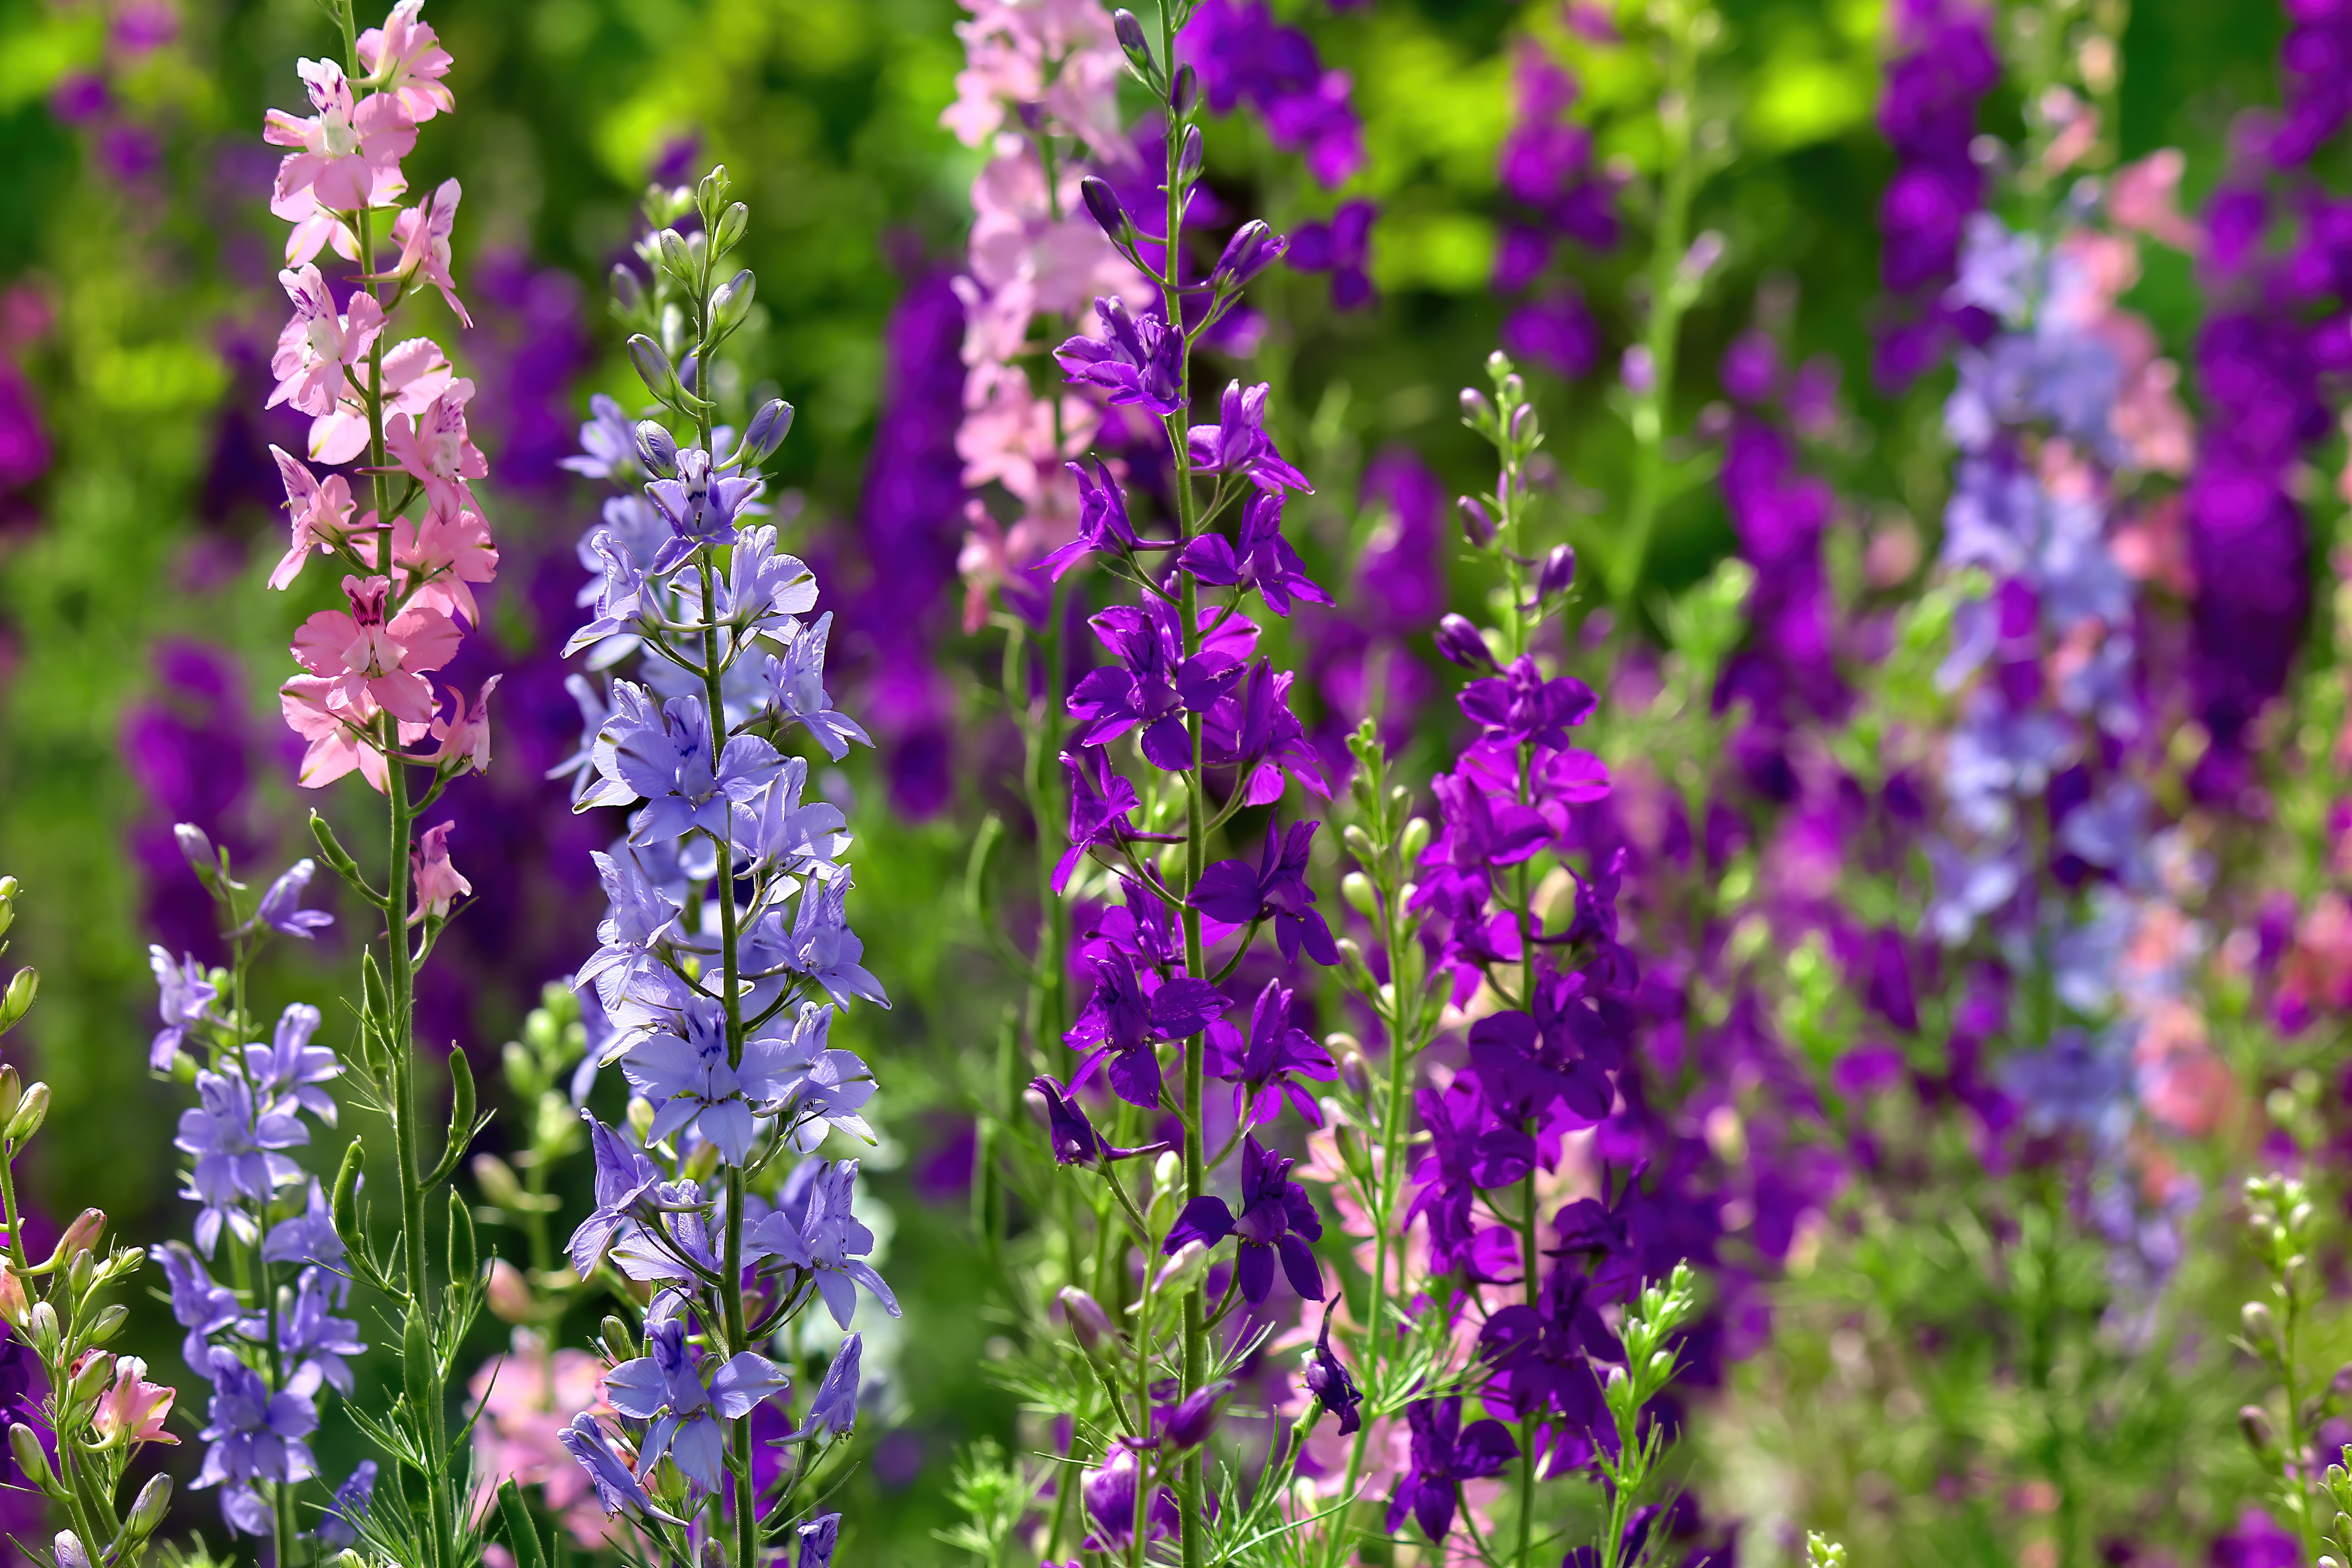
<point x="1253" y="248"/>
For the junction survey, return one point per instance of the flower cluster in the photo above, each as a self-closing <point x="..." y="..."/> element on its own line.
<point x="726" y="946"/>
<point x="1927" y="111"/>
<point x="1546" y="169"/>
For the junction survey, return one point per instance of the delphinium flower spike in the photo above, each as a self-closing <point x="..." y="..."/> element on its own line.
<point x="726" y="948"/>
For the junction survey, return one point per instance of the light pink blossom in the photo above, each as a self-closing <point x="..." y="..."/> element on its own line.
<point x="376" y="661"/>
<point x="348" y="154"/>
<point x="1060" y="55"/>
<point x="415" y="374"/>
<point x="405" y="61"/>
<point x="432" y="445"/>
<point x="440" y="560"/>
<point x="2146" y="197"/>
<point x="337" y="741"/>
<point x="464" y="736"/>
<point x="132" y="1410"/>
<point x="436" y="881"/>
<point x="422" y="233"/>
<point x="320" y="346"/>
<point x="320" y="512"/>
<point x="528" y="1398"/>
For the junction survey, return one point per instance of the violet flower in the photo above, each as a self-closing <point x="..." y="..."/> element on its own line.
<point x="1265" y="1067"/>
<point x="1237" y="443"/>
<point x="1444" y="1454"/>
<point x="666" y="1386"/>
<point x="1277" y="1216"/>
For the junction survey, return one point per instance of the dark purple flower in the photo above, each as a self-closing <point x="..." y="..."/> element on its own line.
<point x="817" y="1539"/>
<point x="1128" y="1012"/>
<point x="1102" y="807"/>
<point x="1341" y="248"/>
<point x="338" y="1527"/>
<point x="1277" y="1216"/>
<point x="1266" y="1066"/>
<point x="1102" y="521"/>
<point x="1109" y="1491"/>
<point x="1444" y="1455"/>
<point x="1154" y="684"/>
<point x="1237" y="443"/>
<point x="1075" y="1140"/>
<point x="1235" y="893"/>
<point x="1328" y="1381"/>
<point x="1519" y="705"/>
<point x="1138" y="361"/>
<point x="1261" y="557"/>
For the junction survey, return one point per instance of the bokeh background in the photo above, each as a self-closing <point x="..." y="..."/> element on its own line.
<point x="138" y="650"/>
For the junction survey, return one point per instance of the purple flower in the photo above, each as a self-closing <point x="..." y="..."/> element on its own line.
<point x="1109" y="1491"/>
<point x="665" y="1387"/>
<point x="1074" y="1138"/>
<point x="1231" y="892"/>
<point x="832" y="1409"/>
<point x="1468" y="1154"/>
<point x="1252" y="730"/>
<point x="1238" y="444"/>
<point x="1341" y="248"/>
<point x="663" y="756"/>
<point x="339" y="1526"/>
<point x="1102" y="807"/>
<point x="817" y="1539"/>
<point x="699" y="507"/>
<point x="683" y="1069"/>
<point x="1127" y="1011"/>
<point x="1444" y="1455"/>
<point x="1261" y="557"/>
<point x="624" y="1176"/>
<point x="608" y="444"/>
<point x="1102" y="521"/>
<point x="185" y="998"/>
<point x="823" y="947"/>
<point x="1519" y="705"/>
<point x="310" y="1237"/>
<point x="312" y="1341"/>
<point x="289" y="1070"/>
<point x="1138" y="361"/>
<point x="236" y="1149"/>
<point x="1266" y="1066"/>
<point x="617" y="1486"/>
<point x="281" y="909"/>
<point x="256" y="1435"/>
<point x="830" y="1243"/>
<point x="1524" y="1071"/>
<point x="1330" y="1382"/>
<point x="1277" y="1216"/>
<point x="1542" y="1359"/>
<point x="1154" y="685"/>
<point x="200" y="1306"/>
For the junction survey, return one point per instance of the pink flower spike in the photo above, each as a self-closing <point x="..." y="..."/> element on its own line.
<point x="405" y="60"/>
<point x="132" y="1410"/>
<point x="415" y="374"/>
<point x="422" y="234"/>
<point x="375" y="664"/>
<point x="336" y="744"/>
<point x="437" y="881"/>
<point x="434" y="448"/>
<point x="321" y="512"/>
<point x="464" y="736"/>
<point x="348" y="154"/>
<point x="319" y="344"/>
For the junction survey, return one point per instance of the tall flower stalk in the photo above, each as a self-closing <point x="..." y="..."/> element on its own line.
<point x="724" y="953"/>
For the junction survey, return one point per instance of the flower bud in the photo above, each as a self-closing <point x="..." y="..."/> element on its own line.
<point x="1354" y="1070"/>
<point x="628" y="294"/>
<point x="1190" y="160"/>
<point x="1514" y="390"/>
<point x="1477" y="411"/>
<point x="728" y="232"/>
<point x="1359" y="843"/>
<point x="8" y="890"/>
<point x="12" y="1091"/>
<point x="18" y="999"/>
<point x="109" y="1323"/>
<point x="1185" y="1267"/>
<point x="1559" y="572"/>
<point x="42" y="1328"/>
<point x="16" y="1307"/>
<point x="25" y="1444"/>
<point x="2256" y="1319"/>
<point x="654" y="367"/>
<point x="1415" y="841"/>
<point x="31" y="1111"/>
<point x="1184" y="92"/>
<point x="1499" y="363"/>
<point x="1253" y="248"/>
<point x="730" y="302"/>
<point x="509" y="1294"/>
<point x="81" y="1236"/>
<point x="1459" y="642"/>
<point x="1357" y="889"/>
<point x="676" y="256"/>
<point x="1195" y="1416"/>
<point x="711" y="189"/>
<point x="656" y="447"/>
<point x="1638" y="370"/>
<point x="1132" y="41"/>
<point x="1167" y="1172"/>
<point x="70" y="1552"/>
<point x="89" y="1379"/>
<point x="2254" y="1426"/>
<point x="197" y="847"/>
<point x="768" y="429"/>
<point x="147" y="1511"/>
<point x="1103" y="202"/>
<point x="1477" y="524"/>
<point x="1524" y="427"/>
<point x="1089" y="1325"/>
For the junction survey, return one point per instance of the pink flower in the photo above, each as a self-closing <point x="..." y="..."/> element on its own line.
<point x="321" y="511"/>
<point x="433" y="446"/>
<point x="440" y="560"/>
<point x="348" y="155"/>
<point x="422" y="234"/>
<point x="405" y="61"/>
<point x="415" y="374"/>
<point x="320" y="345"/>
<point x="1059" y="54"/>
<point x="2146" y="197"/>
<point x="465" y="735"/>
<point x="337" y="741"/>
<point x="437" y="882"/>
<point x="528" y="1398"/>
<point x="132" y="1410"/>
<point x="376" y="662"/>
